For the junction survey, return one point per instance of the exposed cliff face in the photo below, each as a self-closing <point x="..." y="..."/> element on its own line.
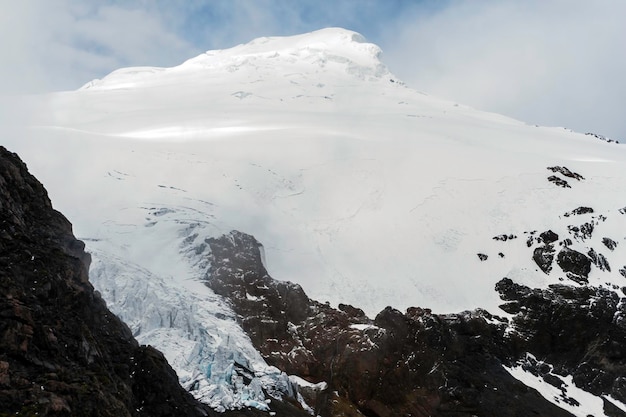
<point x="61" y="351"/>
<point x="423" y="364"/>
<point x="579" y="331"/>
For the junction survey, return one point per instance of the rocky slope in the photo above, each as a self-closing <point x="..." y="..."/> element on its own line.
<point x="422" y="364"/>
<point x="62" y="352"/>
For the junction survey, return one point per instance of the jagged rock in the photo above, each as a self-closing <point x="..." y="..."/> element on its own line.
<point x="575" y="264"/>
<point x="578" y="211"/>
<point x="530" y="240"/>
<point x="566" y="172"/>
<point x="599" y="260"/>
<point x="417" y="363"/>
<point x="548" y="237"/>
<point x="543" y="257"/>
<point x="482" y="256"/>
<point x="609" y="243"/>
<point x="582" y="232"/>
<point x="62" y="352"/>
<point x="576" y="330"/>
<point x="602" y="137"/>
<point x="559" y="181"/>
<point x="352" y="311"/>
<point x="237" y="272"/>
<point x="504" y="238"/>
<point x="623" y="272"/>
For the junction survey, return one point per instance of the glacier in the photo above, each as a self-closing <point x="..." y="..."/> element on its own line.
<point x="169" y="308"/>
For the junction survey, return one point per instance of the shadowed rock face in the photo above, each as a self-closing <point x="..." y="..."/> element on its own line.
<point x="543" y="257"/>
<point x="580" y="331"/>
<point x="422" y="364"/>
<point x="575" y="264"/>
<point x="62" y="352"/>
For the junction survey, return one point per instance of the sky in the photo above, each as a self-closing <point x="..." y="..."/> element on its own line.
<point x="545" y="62"/>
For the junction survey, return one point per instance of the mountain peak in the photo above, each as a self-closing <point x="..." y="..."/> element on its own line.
<point x="330" y="41"/>
<point x="332" y="50"/>
<point x="329" y="36"/>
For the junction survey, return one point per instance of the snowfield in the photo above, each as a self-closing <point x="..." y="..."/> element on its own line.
<point x="361" y="189"/>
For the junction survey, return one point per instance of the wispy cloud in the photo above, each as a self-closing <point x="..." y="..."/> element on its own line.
<point x="545" y="62"/>
<point x="62" y="44"/>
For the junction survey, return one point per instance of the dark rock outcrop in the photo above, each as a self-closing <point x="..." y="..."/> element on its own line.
<point x="277" y="315"/>
<point x="504" y="237"/>
<point x="543" y="257"/>
<point x="566" y="172"/>
<point x="575" y="264"/>
<point x="559" y="181"/>
<point x="579" y="331"/>
<point x="599" y="260"/>
<point x="602" y="137"/>
<point x="62" y="352"/>
<point x="530" y="240"/>
<point x="582" y="232"/>
<point x="418" y="363"/>
<point x="579" y="211"/>
<point x="609" y="243"/>
<point x="548" y="237"/>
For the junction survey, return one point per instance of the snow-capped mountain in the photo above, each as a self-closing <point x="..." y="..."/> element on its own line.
<point x="361" y="190"/>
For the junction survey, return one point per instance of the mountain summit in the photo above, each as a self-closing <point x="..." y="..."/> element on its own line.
<point x="341" y="52"/>
<point x="363" y="193"/>
<point x="323" y="48"/>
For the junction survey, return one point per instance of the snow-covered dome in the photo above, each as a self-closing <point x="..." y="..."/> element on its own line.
<point x="333" y="44"/>
<point x="331" y="52"/>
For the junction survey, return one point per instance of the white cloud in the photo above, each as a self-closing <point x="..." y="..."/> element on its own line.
<point x="545" y="62"/>
<point x="62" y="44"/>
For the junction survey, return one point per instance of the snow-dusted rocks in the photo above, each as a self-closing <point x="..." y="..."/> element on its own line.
<point x="420" y="363"/>
<point x="579" y="335"/>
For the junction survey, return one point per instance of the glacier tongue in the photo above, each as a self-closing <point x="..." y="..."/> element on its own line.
<point x="173" y="311"/>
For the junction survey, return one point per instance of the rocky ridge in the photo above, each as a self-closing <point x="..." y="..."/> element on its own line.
<point x="423" y="364"/>
<point x="62" y="352"/>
